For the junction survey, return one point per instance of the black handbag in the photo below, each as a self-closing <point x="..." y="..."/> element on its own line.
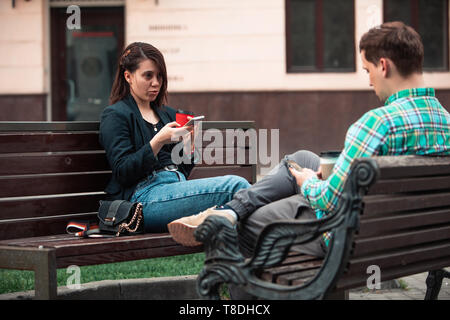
<point x="120" y="217"/>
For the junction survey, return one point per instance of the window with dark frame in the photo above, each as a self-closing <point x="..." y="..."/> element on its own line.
<point x="320" y="35"/>
<point x="430" y="19"/>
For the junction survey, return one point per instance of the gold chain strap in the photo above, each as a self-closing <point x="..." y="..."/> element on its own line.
<point x="126" y="226"/>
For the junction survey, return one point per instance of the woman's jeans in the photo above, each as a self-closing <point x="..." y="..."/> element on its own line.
<point x="167" y="196"/>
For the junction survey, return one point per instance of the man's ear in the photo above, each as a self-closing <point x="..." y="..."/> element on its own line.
<point x="385" y="66"/>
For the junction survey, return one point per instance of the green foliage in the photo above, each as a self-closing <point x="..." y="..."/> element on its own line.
<point x="17" y="280"/>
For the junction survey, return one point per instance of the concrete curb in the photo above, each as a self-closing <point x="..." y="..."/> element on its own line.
<point x="163" y="288"/>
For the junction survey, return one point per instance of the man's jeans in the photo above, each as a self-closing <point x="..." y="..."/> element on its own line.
<point x="273" y="198"/>
<point x="167" y="196"/>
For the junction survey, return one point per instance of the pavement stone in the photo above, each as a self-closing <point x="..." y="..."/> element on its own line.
<point x="415" y="290"/>
<point x="184" y="287"/>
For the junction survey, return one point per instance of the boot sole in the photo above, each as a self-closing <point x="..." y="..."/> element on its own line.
<point x="183" y="234"/>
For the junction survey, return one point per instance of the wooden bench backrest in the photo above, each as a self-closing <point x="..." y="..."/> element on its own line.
<point x="51" y="173"/>
<point x="405" y="222"/>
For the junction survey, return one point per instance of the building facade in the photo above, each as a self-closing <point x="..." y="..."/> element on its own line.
<point x="291" y="65"/>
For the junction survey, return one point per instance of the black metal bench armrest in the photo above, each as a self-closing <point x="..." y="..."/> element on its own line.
<point x="225" y="263"/>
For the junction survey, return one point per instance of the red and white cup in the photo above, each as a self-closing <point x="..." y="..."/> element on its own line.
<point x="182" y="117"/>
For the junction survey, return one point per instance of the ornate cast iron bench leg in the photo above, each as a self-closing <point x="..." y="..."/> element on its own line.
<point x="434" y="283"/>
<point x="225" y="264"/>
<point x="223" y="259"/>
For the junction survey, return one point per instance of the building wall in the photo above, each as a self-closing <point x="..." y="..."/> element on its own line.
<point x="215" y="45"/>
<point x="309" y="120"/>
<point x="22" y="62"/>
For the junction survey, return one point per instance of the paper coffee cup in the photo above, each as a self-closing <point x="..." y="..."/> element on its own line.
<point x="182" y="117"/>
<point x="327" y="161"/>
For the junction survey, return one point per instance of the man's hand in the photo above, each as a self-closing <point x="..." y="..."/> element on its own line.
<point x="304" y="175"/>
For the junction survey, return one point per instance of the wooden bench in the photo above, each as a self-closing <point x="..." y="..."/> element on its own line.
<point x="54" y="172"/>
<point x="394" y="215"/>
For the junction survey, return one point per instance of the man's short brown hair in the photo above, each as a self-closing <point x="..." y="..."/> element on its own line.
<point x="396" y="41"/>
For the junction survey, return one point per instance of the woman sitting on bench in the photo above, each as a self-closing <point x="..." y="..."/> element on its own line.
<point x="139" y="133"/>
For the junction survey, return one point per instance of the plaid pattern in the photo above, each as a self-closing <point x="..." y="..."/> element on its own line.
<point x="411" y="122"/>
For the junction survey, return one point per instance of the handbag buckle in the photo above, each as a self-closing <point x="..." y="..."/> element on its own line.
<point x="171" y="167"/>
<point x="110" y="219"/>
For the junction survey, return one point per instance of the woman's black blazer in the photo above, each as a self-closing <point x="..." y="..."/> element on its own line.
<point x="126" y="139"/>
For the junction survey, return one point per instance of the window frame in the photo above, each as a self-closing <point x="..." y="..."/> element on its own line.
<point x="415" y="24"/>
<point x="319" y="47"/>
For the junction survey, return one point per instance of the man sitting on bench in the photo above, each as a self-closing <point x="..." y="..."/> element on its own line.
<point x="412" y="121"/>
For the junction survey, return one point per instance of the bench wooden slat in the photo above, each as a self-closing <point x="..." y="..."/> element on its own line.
<point x="399" y="240"/>
<point x="287" y="266"/>
<point x="301" y="275"/>
<point x="400" y="221"/>
<point x="46" y="206"/>
<point x="69" y="245"/>
<point x="200" y="172"/>
<point x="39" y="240"/>
<point x="112" y="245"/>
<point x="394" y="258"/>
<point x="48" y="142"/>
<point x="25" y="185"/>
<point x="26" y="142"/>
<point x="125" y="255"/>
<point x="71" y="250"/>
<point x="55" y="126"/>
<point x="347" y="282"/>
<point x="304" y="277"/>
<point x="410" y="185"/>
<point x="39" y="163"/>
<point x="404" y="202"/>
<point x="11" y="229"/>
<point x="395" y="167"/>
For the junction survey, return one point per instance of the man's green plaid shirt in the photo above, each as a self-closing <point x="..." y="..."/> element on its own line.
<point x="411" y="122"/>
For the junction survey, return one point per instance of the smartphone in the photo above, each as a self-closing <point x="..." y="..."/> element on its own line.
<point x="191" y="122"/>
<point x="294" y="165"/>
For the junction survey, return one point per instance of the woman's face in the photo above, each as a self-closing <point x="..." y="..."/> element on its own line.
<point x="145" y="83"/>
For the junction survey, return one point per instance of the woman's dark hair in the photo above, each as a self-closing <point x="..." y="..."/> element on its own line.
<point x="129" y="60"/>
<point x="396" y="41"/>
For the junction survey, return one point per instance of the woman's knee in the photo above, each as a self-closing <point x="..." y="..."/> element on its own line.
<point x="238" y="182"/>
<point x="306" y="159"/>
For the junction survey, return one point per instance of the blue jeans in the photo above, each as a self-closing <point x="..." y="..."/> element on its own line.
<point x="167" y="196"/>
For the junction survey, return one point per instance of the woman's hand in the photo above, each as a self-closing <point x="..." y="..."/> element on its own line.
<point x="170" y="133"/>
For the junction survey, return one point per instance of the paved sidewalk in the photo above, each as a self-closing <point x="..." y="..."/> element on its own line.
<point x="415" y="290"/>
<point x="169" y="288"/>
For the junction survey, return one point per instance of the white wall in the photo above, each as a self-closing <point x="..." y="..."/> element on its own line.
<point x="216" y="45"/>
<point x="22" y="47"/>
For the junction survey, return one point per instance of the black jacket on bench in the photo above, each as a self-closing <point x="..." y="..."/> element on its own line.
<point x="126" y="139"/>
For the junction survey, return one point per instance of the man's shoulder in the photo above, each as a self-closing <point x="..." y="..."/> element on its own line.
<point x="376" y="114"/>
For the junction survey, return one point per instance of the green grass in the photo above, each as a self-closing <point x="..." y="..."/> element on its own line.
<point x="17" y="280"/>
